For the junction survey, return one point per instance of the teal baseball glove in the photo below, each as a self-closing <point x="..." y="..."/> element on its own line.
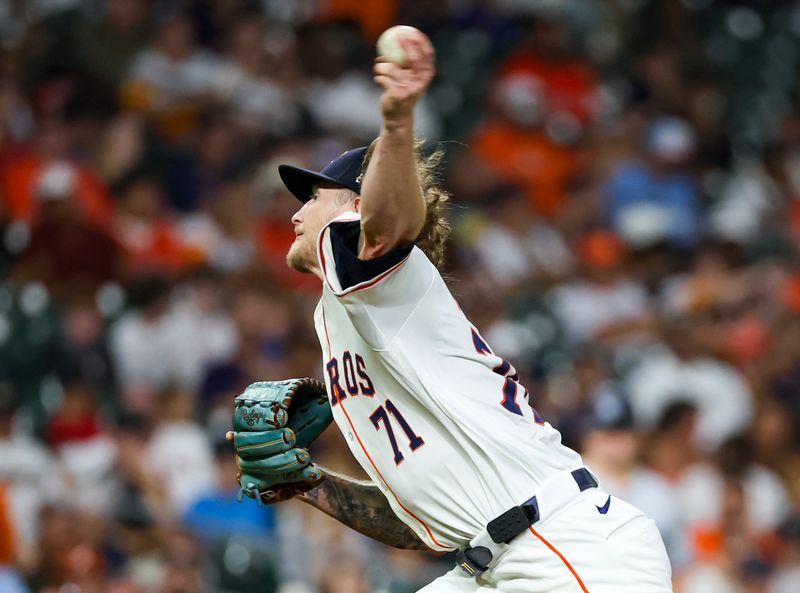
<point x="274" y="422"/>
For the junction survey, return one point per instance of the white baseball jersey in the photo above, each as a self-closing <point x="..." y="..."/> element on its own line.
<point x="435" y="418"/>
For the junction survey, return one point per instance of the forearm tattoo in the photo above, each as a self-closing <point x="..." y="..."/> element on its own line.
<point x="361" y="506"/>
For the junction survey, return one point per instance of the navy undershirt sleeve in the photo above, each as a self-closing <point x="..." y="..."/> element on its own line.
<point x="350" y="269"/>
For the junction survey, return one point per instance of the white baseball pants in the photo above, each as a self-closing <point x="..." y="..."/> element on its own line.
<point x="576" y="550"/>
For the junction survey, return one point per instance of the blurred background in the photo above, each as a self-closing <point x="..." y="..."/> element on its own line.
<point x="626" y="181"/>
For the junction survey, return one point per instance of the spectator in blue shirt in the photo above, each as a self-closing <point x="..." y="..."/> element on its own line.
<point x="654" y="199"/>
<point x="217" y="515"/>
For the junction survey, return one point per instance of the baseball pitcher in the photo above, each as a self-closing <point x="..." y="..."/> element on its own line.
<point x="458" y="458"/>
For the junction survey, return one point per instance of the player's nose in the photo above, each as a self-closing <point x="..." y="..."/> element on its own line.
<point x="296" y="219"/>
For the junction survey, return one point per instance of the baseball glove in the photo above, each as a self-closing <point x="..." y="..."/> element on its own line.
<point x="274" y="422"/>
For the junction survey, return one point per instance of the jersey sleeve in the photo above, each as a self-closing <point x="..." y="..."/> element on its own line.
<point x="380" y="293"/>
<point x="351" y="270"/>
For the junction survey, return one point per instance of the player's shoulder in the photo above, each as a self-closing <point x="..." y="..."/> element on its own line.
<point x="346" y="273"/>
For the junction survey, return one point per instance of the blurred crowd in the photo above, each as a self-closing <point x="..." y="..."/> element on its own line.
<point x="626" y="211"/>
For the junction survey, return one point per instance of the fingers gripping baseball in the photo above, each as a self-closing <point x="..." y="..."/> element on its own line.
<point x="404" y="83"/>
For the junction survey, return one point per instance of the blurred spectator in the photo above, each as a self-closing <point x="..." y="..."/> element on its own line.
<point x="30" y="479"/>
<point x="104" y="47"/>
<point x="405" y="571"/>
<point x="151" y="241"/>
<point x="540" y="98"/>
<point x="76" y="419"/>
<point x="602" y="301"/>
<point x="611" y="447"/>
<point x="264" y="324"/>
<point x="142" y="498"/>
<point x="572" y="392"/>
<point x="214" y="513"/>
<point x="224" y="232"/>
<point x="679" y="369"/>
<point x="710" y="283"/>
<point x="82" y="353"/>
<point x="788" y="574"/>
<point x="342" y="100"/>
<point x="515" y="247"/>
<point x="46" y="171"/>
<point x="225" y="524"/>
<point x="173" y="78"/>
<point x="670" y="450"/>
<point x="140" y="342"/>
<point x="732" y="511"/>
<point x="548" y="53"/>
<point x="178" y="451"/>
<point x="519" y="148"/>
<point x="169" y="338"/>
<point x="747" y="205"/>
<point x="213" y="152"/>
<point x="202" y="324"/>
<point x="655" y="199"/>
<point x="258" y="102"/>
<point x="76" y="432"/>
<point x="135" y="543"/>
<point x="70" y="545"/>
<point x="69" y="254"/>
<point x="774" y="434"/>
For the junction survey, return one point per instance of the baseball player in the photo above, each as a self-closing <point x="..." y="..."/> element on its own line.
<point x="458" y="458"/>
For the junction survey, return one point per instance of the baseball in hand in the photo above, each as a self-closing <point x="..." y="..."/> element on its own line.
<point x="389" y="47"/>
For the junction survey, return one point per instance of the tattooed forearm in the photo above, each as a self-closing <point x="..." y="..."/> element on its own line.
<point x="361" y="506"/>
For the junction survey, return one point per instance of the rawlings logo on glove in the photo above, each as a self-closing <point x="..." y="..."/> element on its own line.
<point x="250" y="418"/>
<point x="274" y="422"/>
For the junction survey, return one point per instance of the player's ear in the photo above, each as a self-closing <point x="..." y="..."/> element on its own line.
<point x="357" y="204"/>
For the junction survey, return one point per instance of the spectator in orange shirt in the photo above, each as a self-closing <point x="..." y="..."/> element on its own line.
<point x="540" y="100"/>
<point x="518" y="144"/>
<point x="568" y="83"/>
<point x="67" y="252"/>
<point x="20" y="174"/>
<point x="150" y="239"/>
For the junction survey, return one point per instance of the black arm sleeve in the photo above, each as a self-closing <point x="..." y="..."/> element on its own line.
<point x="350" y="269"/>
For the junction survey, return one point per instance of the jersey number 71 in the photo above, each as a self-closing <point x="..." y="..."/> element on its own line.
<point x="381" y="414"/>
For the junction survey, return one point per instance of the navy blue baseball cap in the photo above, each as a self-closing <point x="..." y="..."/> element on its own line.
<point x="344" y="170"/>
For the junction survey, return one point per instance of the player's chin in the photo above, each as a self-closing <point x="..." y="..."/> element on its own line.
<point x="296" y="259"/>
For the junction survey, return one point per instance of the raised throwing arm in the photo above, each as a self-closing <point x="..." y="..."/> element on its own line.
<point x="361" y="506"/>
<point x="392" y="205"/>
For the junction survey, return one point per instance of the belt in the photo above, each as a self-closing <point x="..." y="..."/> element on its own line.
<point x="552" y="495"/>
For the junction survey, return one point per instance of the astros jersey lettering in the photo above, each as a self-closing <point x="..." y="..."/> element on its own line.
<point x="438" y="421"/>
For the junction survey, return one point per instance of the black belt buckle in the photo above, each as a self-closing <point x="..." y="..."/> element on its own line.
<point x="475" y="561"/>
<point x="503" y="528"/>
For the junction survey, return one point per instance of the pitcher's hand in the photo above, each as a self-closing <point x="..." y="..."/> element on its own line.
<point x="403" y="84"/>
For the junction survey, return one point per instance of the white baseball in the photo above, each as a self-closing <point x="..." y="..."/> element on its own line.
<point x="389" y="47"/>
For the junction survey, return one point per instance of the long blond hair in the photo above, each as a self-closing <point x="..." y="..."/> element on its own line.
<point x="436" y="230"/>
